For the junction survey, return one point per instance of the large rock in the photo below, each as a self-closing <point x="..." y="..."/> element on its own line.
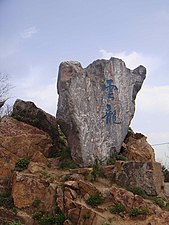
<point x="145" y="175"/>
<point x="27" y="188"/>
<point x="19" y="140"/>
<point x="22" y="139"/>
<point x="29" y="113"/>
<point x="96" y="105"/>
<point x="136" y="148"/>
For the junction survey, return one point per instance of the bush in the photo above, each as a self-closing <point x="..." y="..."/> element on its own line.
<point x="16" y="223"/>
<point x="115" y="157"/>
<point x="167" y="206"/>
<point x="86" y="216"/>
<point x="36" y="202"/>
<point x="118" y="208"/>
<point x="112" y="159"/>
<point x="121" y="157"/>
<point x="66" y="161"/>
<point x="97" y="170"/>
<point x="144" y="211"/>
<point x="37" y="215"/>
<point x="94" y="200"/>
<point x="134" y="212"/>
<point x="138" y="191"/>
<point x="6" y="200"/>
<point x="22" y="164"/>
<point x="159" y="201"/>
<point x="57" y="218"/>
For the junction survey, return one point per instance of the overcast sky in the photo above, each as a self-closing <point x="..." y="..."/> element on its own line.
<point x="37" y="35"/>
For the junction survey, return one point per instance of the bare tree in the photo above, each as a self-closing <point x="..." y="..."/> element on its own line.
<point x="5" y="87"/>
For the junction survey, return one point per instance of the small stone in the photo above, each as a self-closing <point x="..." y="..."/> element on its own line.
<point x="67" y="222"/>
<point x="86" y="216"/>
<point x="27" y="219"/>
<point x="73" y="215"/>
<point x="60" y="199"/>
<point x="72" y="184"/>
<point x="86" y="187"/>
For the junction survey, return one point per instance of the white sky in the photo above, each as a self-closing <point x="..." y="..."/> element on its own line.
<point x="37" y="35"/>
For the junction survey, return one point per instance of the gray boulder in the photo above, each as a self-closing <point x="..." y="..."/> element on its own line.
<point x="96" y="106"/>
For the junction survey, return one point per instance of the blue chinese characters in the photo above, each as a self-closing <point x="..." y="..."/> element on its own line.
<point x="110" y="115"/>
<point x="109" y="88"/>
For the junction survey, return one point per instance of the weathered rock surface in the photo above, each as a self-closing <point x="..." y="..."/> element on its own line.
<point x="22" y="139"/>
<point x="71" y="201"/>
<point x="29" y="113"/>
<point x="7" y="216"/>
<point x="19" y="140"/>
<point x="136" y="148"/>
<point x="145" y="175"/>
<point x="96" y="105"/>
<point x="26" y="188"/>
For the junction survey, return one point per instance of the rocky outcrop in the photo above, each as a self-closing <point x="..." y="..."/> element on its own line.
<point x="71" y="199"/>
<point x="22" y="139"/>
<point x="7" y="216"/>
<point x="145" y="175"/>
<point x="136" y="148"/>
<point x="96" y="105"/>
<point x="19" y="140"/>
<point x="29" y="113"/>
<point x="28" y="188"/>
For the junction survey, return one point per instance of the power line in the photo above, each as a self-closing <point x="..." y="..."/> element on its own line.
<point x="165" y="143"/>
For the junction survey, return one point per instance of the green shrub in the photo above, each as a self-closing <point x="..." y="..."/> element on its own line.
<point x="66" y="161"/>
<point x="86" y="216"/>
<point x="138" y="191"/>
<point x="16" y="223"/>
<point x="22" y="164"/>
<point x="36" y="202"/>
<point x="42" y="219"/>
<point x="97" y="170"/>
<point x="118" y="208"/>
<point x="6" y="200"/>
<point x="115" y="157"/>
<point x="59" y="219"/>
<point x="85" y="174"/>
<point x="37" y="215"/>
<point x="167" y="206"/>
<point x="121" y="157"/>
<point x="94" y="200"/>
<point x="68" y="164"/>
<point x="112" y="159"/>
<point x="144" y="211"/>
<point x="134" y="212"/>
<point x="159" y="201"/>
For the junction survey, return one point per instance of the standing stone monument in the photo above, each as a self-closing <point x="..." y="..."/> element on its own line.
<point x="96" y="105"/>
